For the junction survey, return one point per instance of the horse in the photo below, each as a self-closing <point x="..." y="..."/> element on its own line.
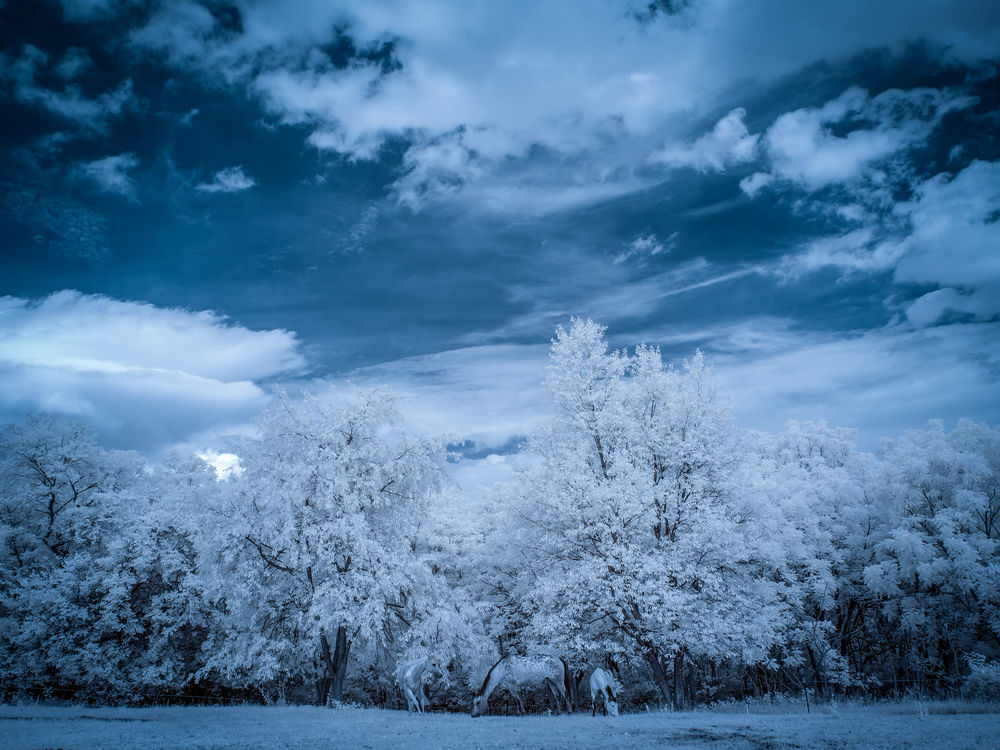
<point x="517" y="672"/>
<point x="603" y="684"/>
<point x="413" y="678"/>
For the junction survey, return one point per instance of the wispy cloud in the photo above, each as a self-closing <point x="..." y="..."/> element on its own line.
<point x="228" y="180"/>
<point x="69" y="103"/>
<point x="111" y="174"/>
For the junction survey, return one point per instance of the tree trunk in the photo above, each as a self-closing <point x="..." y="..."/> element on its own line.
<point x="659" y="674"/>
<point x="679" y="680"/>
<point x="330" y="687"/>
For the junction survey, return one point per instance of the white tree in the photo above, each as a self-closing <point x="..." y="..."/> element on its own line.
<point x="936" y="572"/>
<point x="317" y="542"/>
<point x="96" y="565"/>
<point x="636" y="532"/>
<point x="820" y="482"/>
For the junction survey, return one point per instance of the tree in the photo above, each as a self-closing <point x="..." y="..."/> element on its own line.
<point x="936" y="572"/>
<point x="96" y="563"/>
<point x="637" y="535"/>
<point x="317" y="539"/>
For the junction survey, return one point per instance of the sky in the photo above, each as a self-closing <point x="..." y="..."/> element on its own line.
<point x="203" y="201"/>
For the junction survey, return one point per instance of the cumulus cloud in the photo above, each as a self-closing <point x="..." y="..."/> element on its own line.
<point x="228" y="180"/>
<point x="144" y="375"/>
<point x="423" y="72"/>
<point x="111" y="174"/>
<point x="728" y="143"/>
<point x="802" y="146"/>
<point x="954" y="243"/>
<point x="946" y="235"/>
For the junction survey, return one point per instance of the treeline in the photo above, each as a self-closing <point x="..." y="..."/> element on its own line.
<point x="643" y="532"/>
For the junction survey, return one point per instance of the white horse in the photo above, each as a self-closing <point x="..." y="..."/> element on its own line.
<point x="413" y="678"/>
<point x="603" y="684"/>
<point x="517" y="672"/>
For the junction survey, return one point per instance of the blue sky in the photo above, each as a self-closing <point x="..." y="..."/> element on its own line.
<point x="203" y="200"/>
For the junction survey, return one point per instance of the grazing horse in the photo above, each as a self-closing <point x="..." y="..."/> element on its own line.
<point x="603" y="684"/>
<point x="413" y="678"/>
<point x="517" y="672"/>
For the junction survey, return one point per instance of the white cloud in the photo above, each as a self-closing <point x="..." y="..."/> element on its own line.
<point x="756" y="182"/>
<point x="228" y="180"/>
<point x="803" y="148"/>
<point x="143" y="375"/>
<point x="882" y="382"/>
<point x="947" y="235"/>
<point x="508" y="84"/>
<point x="646" y="247"/>
<point x="110" y="174"/>
<point x="486" y="394"/>
<point x="857" y="251"/>
<point x="728" y="143"/>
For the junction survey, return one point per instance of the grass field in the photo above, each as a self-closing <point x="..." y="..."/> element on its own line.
<point x="24" y="727"/>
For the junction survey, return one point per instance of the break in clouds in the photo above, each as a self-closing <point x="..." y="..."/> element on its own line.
<point x="659" y="337"/>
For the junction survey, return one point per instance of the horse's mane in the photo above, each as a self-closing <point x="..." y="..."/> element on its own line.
<point x="486" y="680"/>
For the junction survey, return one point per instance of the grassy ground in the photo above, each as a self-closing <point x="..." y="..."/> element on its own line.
<point x="885" y="726"/>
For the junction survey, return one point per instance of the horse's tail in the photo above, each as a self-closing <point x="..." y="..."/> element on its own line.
<point x="567" y="683"/>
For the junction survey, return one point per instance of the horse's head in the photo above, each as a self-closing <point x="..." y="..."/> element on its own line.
<point x="610" y="701"/>
<point x="479" y="705"/>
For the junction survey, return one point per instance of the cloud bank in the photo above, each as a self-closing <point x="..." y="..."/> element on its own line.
<point x="145" y="376"/>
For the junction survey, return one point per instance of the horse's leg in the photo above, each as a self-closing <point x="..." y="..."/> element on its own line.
<point x="555" y="693"/>
<point x="565" y="696"/>
<point x="408" y="694"/>
<point x="593" y="704"/>
<point x="520" y="705"/>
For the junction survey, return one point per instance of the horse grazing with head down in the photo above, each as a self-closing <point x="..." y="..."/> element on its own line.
<point x="603" y="684"/>
<point x="517" y="672"/>
<point x="413" y="678"/>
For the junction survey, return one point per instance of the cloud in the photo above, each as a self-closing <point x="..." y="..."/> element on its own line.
<point x="954" y="243"/>
<point x="946" y="235"/>
<point x="73" y="62"/>
<point x="855" y="252"/>
<point x="145" y="376"/>
<point x="110" y="174"/>
<point x="483" y="394"/>
<point x="70" y="103"/>
<point x="728" y="143"/>
<point x="756" y="182"/>
<point x="228" y="180"/>
<point x="802" y="146"/>
<point x="647" y="246"/>
<point x="882" y="381"/>
<point x="471" y="87"/>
